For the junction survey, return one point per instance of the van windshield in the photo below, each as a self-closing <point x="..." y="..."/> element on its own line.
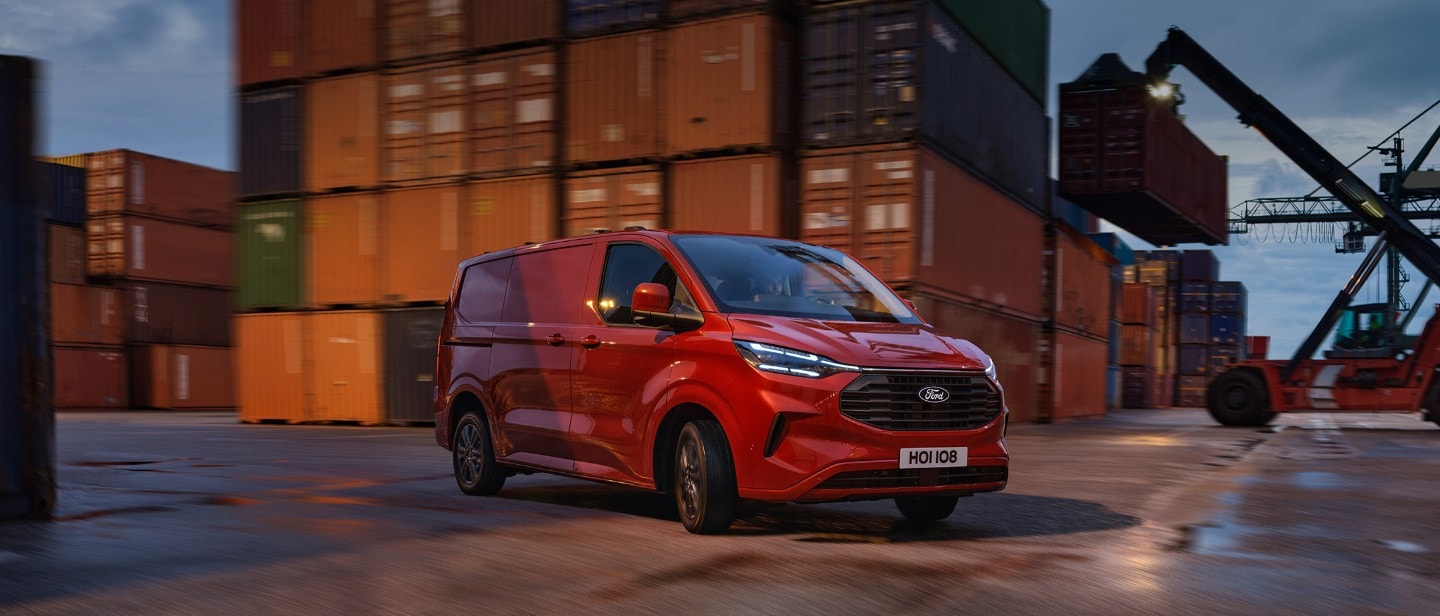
<point x="758" y="275"/>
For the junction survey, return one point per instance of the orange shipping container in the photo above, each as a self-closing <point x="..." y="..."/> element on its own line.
<point x="612" y="98"/>
<point x="728" y="84"/>
<point x="181" y="377"/>
<point x="613" y="199"/>
<point x="344" y="375"/>
<point x="425" y="123"/>
<point x="341" y="120"/>
<point x="341" y="35"/>
<point x="89" y="378"/>
<point x="1138" y="304"/>
<point x="742" y="194"/>
<point x="270" y="366"/>
<point x="121" y="181"/>
<point x="1079" y="378"/>
<point x="415" y="28"/>
<point x="1014" y="345"/>
<point x="513" y="111"/>
<point x="135" y="248"/>
<point x="67" y="254"/>
<point x="86" y="315"/>
<point x="342" y="249"/>
<point x="269" y="41"/>
<point x="1082" y="269"/>
<point x="1138" y="346"/>
<point x="509" y="212"/>
<point x="421" y="242"/>
<point x="531" y="20"/>
<point x="915" y="218"/>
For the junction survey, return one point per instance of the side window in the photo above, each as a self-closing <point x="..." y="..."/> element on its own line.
<point x="482" y="291"/>
<point x="626" y="266"/>
<point x="543" y="287"/>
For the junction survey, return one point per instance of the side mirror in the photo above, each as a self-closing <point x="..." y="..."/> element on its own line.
<point x="650" y="305"/>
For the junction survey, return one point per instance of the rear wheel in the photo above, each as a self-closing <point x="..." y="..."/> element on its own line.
<point x="1239" y="398"/>
<point x="705" y="493"/>
<point x="926" y="508"/>
<point x="476" y="471"/>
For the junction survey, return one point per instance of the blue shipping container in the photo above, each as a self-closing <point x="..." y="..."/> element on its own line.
<point x="1117" y="247"/>
<point x="1112" y="387"/>
<point x="1199" y="265"/>
<point x="63" y="192"/>
<point x="1194" y="297"/>
<point x="1227" y="296"/>
<point x="1194" y="328"/>
<point x="1227" y="328"/>
<point x="270" y="136"/>
<point x="1222" y="355"/>
<point x="596" y="17"/>
<point x="1192" y="359"/>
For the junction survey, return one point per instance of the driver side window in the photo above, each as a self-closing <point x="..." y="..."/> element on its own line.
<point x="626" y="266"/>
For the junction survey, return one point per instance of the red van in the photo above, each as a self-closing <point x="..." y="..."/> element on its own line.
<point x="714" y="367"/>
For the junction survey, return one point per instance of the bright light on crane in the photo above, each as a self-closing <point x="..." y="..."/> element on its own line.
<point x="1162" y="90"/>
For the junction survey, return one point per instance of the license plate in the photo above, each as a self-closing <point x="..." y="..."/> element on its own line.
<point x="934" y="457"/>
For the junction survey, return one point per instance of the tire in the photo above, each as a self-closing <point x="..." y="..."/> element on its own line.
<point x="926" y="508"/>
<point x="1239" y="398"/>
<point x="705" y="495"/>
<point x="476" y="471"/>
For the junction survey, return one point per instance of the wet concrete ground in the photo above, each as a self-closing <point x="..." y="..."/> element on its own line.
<point x="1157" y="512"/>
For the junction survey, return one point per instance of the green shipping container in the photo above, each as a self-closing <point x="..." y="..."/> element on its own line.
<point x="1015" y="32"/>
<point x="269" y="255"/>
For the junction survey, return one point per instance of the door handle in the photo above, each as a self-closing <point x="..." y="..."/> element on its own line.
<point x="590" y="342"/>
<point x="555" y="339"/>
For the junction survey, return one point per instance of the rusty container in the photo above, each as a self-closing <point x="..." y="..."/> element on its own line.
<point x="612" y="98"/>
<point x="728" y="84"/>
<point x="1083" y="283"/>
<point x="411" y="337"/>
<point x="513" y="124"/>
<point x="1080" y="377"/>
<point x="1014" y="344"/>
<point x="741" y="194"/>
<point x="418" y="28"/>
<point x="125" y="182"/>
<point x="344" y="375"/>
<point x="1138" y="304"/>
<point x="425" y="135"/>
<point x="342" y="249"/>
<point x="89" y="378"/>
<point x="270" y="366"/>
<point x="170" y="377"/>
<point x="1138" y="346"/>
<point x="613" y="199"/>
<point x="269" y="41"/>
<point x="86" y="315"/>
<point x="341" y="147"/>
<point x="509" y="212"/>
<point x="162" y="313"/>
<point x="67" y="254"/>
<point x="341" y="35"/>
<point x="532" y="21"/>
<point x="136" y="248"/>
<point x="914" y="218"/>
<point x="421" y="243"/>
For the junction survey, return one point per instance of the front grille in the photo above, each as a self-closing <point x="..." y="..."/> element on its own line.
<point x="891" y="401"/>
<point x="916" y="477"/>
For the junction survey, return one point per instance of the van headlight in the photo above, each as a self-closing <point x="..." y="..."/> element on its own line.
<point x="990" y="371"/>
<point x="771" y="358"/>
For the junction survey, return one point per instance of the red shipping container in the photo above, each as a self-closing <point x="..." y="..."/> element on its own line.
<point x="1138" y="387"/>
<point x="416" y="28"/>
<point x="1079" y="378"/>
<point x="342" y="249"/>
<point x="1257" y="347"/>
<point x="176" y="314"/>
<point x="509" y="212"/>
<point x="528" y="21"/>
<point x="67" y="254"/>
<point x="341" y="147"/>
<point x="85" y="315"/>
<point x="269" y="43"/>
<point x="425" y="134"/>
<point x="740" y="194"/>
<point x="1127" y="157"/>
<point x="1082" y="270"/>
<point x="729" y="84"/>
<point x="181" y="377"/>
<point x="1014" y="345"/>
<point x="125" y="182"/>
<point x="136" y="248"/>
<point x="1137" y="346"/>
<point x="420" y="243"/>
<point x="513" y="120"/>
<point x="915" y="218"/>
<point x="341" y="35"/>
<point x="1138" y="304"/>
<point x="612" y="98"/>
<point x="614" y="199"/>
<point x="89" y="378"/>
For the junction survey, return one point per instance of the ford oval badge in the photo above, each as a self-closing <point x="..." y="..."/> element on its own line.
<point x="934" y="395"/>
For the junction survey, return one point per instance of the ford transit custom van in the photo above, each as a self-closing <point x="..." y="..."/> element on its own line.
<point x="714" y="367"/>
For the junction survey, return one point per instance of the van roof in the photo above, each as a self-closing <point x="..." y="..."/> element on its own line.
<point x="581" y="239"/>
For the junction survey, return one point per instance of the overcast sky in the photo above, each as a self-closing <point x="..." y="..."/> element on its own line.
<point x="156" y="76"/>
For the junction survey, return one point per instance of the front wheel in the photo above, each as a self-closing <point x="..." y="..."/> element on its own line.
<point x="476" y="471"/>
<point x="705" y="492"/>
<point x="1239" y="398"/>
<point x="926" y="508"/>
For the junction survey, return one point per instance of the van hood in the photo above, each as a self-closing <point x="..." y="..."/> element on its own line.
<point x="870" y="345"/>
